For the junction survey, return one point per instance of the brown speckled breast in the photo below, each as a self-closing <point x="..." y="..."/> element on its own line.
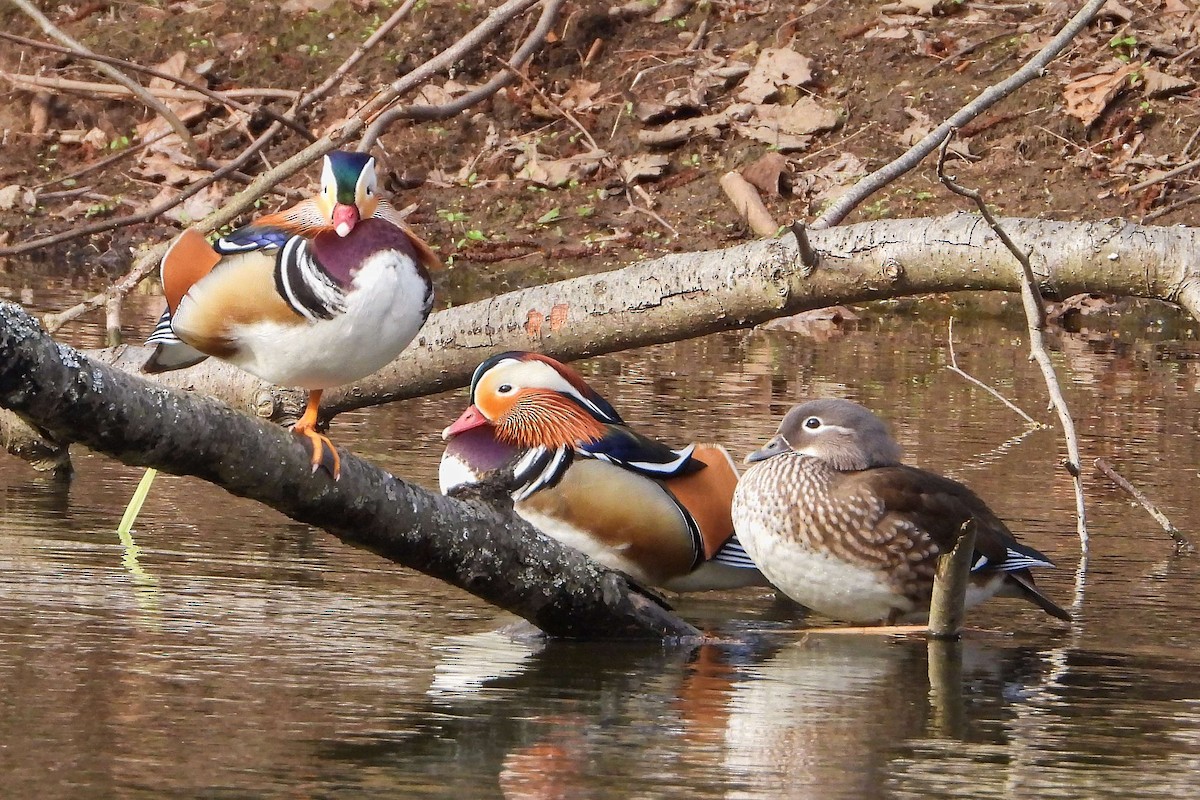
<point x="839" y="514"/>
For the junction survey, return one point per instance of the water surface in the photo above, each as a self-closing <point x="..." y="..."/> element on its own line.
<point x="235" y="653"/>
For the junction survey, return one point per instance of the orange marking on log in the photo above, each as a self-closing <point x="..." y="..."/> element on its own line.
<point x="533" y="323"/>
<point x="558" y="316"/>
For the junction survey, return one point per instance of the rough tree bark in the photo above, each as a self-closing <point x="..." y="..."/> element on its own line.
<point x="691" y="294"/>
<point x="489" y="553"/>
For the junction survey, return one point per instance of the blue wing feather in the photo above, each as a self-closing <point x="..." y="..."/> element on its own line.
<point x="252" y="237"/>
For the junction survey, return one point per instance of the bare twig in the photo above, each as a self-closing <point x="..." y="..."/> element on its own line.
<point x="93" y="88"/>
<point x="567" y="115"/>
<point x="112" y="321"/>
<point x="1182" y="544"/>
<point x="159" y="107"/>
<point x="378" y="106"/>
<point x="1166" y="176"/>
<point x="1186" y="200"/>
<point x="1035" y="316"/>
<point x="953" y="367"/>
<point x="524" y="53"/>
<point x="809" y="258"/>
<point x="104" y="162"/>
<point x="143" y="216"/>
<point x="986" y="99"/>
<point x="224" y="98"/>
<point x="648" y="211"/>
<point x="146" y="263"/>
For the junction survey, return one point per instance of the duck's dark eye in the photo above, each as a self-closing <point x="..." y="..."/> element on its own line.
<point x="812" y="423"/>
<point x="504" y="388"/>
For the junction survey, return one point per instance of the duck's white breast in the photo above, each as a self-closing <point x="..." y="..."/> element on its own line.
<point x="385" y="307"/>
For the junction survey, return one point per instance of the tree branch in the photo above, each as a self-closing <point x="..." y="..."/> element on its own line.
<point x="691" y="294"/>
<point x="1035" y="318"/>
<point x="489" y="553"/>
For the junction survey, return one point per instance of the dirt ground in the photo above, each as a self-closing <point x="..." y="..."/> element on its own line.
<point x="614" y="148"/>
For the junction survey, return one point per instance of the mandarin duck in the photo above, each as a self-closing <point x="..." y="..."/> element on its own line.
<point x="837" y="523"/>
<point x="579" y="474"/>
<point x="316" y="296"/>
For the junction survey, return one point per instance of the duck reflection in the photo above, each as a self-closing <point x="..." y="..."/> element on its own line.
<point x="818" y="718"/>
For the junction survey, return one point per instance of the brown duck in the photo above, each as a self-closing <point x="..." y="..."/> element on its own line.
<point x="836" y="522"/>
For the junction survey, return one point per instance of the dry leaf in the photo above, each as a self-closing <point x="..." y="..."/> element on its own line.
<point x="647" y="165"/>
<point x="1115" y="10"/>
<point x="161" y="168"/>
<point x="923" y="7"/>
<point x="829" y="181"/>
<point x="897" y="32"/>
<point x="432" y="95"/>
<point x="17" y="197"/>
<point x="554" y="172"/>
<point x="1160" y="84"/>
<point x="769" y="175"/>
<point x="186" y="110"/>
<point x="305" y="6"/>
<point x="681" y="130"/>
<point x="1087" y="97"/>
<point x="581" y="96"/>
<point x="96" y="139"/>
<point x="775" y="68"/>
<point x="787" y="127"/>
<point x="195" y="208"/>
<point x="671" y="9"/>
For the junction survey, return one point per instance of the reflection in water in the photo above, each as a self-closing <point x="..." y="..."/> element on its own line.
<point x="801" y="712"/>
<point x="250" y="656"/>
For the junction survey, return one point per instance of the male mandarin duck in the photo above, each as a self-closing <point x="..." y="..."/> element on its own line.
<point x="837" y="523"/>
<point x="579" y="474"/>
<point x="318" y="295"/>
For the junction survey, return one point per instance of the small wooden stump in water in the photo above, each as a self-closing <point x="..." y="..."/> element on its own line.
<point x="947" y="607"/>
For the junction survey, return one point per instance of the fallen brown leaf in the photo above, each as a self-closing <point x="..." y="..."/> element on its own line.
<point x="17" y="197"/>
<point x="769" y="174"/>
<point x="1160" y="84"/>
<point x="640" y="167"/>
<point x="775" y="68"/>
<point x="1088" y="96"/>
<point x="788" y="127"/>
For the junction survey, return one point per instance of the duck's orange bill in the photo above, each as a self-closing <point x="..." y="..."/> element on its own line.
<point x="471" y="418"/>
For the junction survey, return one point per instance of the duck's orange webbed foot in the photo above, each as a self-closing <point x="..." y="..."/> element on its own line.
<point x="324" y="454"/>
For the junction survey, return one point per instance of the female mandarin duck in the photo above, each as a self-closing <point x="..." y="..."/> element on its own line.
<point x="319" y="295"/>
<point x="837" y="523"/>
<point x="579" y="474"/>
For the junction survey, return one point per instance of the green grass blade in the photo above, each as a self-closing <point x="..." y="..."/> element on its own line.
<point x="135" y="507"/>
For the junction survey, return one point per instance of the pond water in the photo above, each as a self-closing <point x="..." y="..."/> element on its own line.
<point x="235" y="653"/>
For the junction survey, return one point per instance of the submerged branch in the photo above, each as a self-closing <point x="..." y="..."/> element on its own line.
<point x="487" y="552"/>
<point x="1182" y="543"/>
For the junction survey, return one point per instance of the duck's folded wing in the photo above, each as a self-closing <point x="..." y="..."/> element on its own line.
<point x="629" y="449"/>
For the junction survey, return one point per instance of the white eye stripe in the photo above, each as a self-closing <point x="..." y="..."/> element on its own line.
<point x="366" y="180"/>
<point x="328" y="182"/>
